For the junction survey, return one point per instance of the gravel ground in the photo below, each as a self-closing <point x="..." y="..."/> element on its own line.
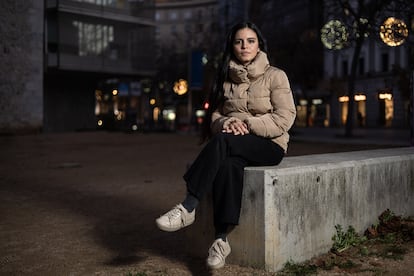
<point x="85" y="203"/>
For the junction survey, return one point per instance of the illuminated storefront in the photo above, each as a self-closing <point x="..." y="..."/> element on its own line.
<point x="361" y="111"/>
<point x="315" y="112"/>
<point x="381" y="109"/>
<point x="386" y="108"/>
<point x="123" y="105"/>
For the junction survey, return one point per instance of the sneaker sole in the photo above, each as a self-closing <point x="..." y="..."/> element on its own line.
<point x="172" y="229"/>
<point x="217" y="266"/>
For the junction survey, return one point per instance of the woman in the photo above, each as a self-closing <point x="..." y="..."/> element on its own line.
<point x="251" y="111"/>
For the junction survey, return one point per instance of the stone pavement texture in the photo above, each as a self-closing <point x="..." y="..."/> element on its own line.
<point x="85" y="203"/>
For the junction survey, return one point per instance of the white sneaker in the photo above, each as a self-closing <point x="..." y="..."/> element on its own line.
<point x="217" y="254"/>
<point x="175" y="219"/>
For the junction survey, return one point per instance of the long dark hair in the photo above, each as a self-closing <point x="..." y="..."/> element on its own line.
<point x="216" y="96"/>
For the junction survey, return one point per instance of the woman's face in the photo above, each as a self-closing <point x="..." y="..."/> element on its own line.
<point x="245" y="45"/>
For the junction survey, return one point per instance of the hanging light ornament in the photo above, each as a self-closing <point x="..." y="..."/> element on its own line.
<point x="362" y="21"/>
<point x="334" y="35"/>
<point x="393" y="31"/>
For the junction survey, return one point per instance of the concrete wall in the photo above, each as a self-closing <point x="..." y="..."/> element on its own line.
<point x="21" y="66"/>
<point x="289" y="212"/>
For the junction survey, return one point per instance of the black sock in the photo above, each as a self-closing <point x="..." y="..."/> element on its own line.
<point x="221" y="231"/>
<point x="190" y="202"/>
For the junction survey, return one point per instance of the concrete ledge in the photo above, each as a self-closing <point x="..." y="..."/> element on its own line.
<point x="289" y="211"/>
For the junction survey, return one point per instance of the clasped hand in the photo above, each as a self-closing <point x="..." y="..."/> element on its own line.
<point x="236" y="127"/>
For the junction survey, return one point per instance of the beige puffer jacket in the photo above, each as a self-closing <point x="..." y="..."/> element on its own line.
<point x="259" y="95"/>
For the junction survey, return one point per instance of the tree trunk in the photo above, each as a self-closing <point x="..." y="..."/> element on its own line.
<point x="349" y="126"/>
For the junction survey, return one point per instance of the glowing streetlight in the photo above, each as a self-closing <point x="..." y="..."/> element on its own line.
<point x="180" y="87"/>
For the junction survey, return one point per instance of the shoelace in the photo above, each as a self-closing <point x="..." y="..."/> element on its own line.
<point x="174" y="213"/>
<point x="217" y="250"/>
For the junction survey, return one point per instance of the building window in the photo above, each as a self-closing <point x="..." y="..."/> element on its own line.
<point x="187" y="27"/>
<point x="386" y="108"/>
<point x="157" y="16"/>
<point x="93" y="39"/>
<point x="187" y="14"/>
<point x="361" y="66"/>
<point x="99" y="2"/>
<point x="344" y="68"/>
<point x="200" y="27"/>
<point x="360" y="99"/>
<point x="384" y="62"/>
<point x="173" y="15"/>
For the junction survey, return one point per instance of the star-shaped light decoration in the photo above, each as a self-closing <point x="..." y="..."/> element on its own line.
<point x="362" y="21"/>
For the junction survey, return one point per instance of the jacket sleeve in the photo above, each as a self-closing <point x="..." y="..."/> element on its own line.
<point x="219" y="121"/>
<point x="282" y="117"/>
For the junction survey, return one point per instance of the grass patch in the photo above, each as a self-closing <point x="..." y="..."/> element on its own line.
<point x="343" y="240"/>
<point x="292" y="268"/>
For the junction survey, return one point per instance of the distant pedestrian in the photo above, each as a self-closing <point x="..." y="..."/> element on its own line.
<point x="250" y="112"/>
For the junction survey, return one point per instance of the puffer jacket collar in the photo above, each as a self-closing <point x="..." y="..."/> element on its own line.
<point x="239" y="73"/>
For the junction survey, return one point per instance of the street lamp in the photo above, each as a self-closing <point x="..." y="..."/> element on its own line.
<point x="180" y="87"/>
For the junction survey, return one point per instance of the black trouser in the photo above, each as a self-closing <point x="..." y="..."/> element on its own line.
<point x="220" y="167"/>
